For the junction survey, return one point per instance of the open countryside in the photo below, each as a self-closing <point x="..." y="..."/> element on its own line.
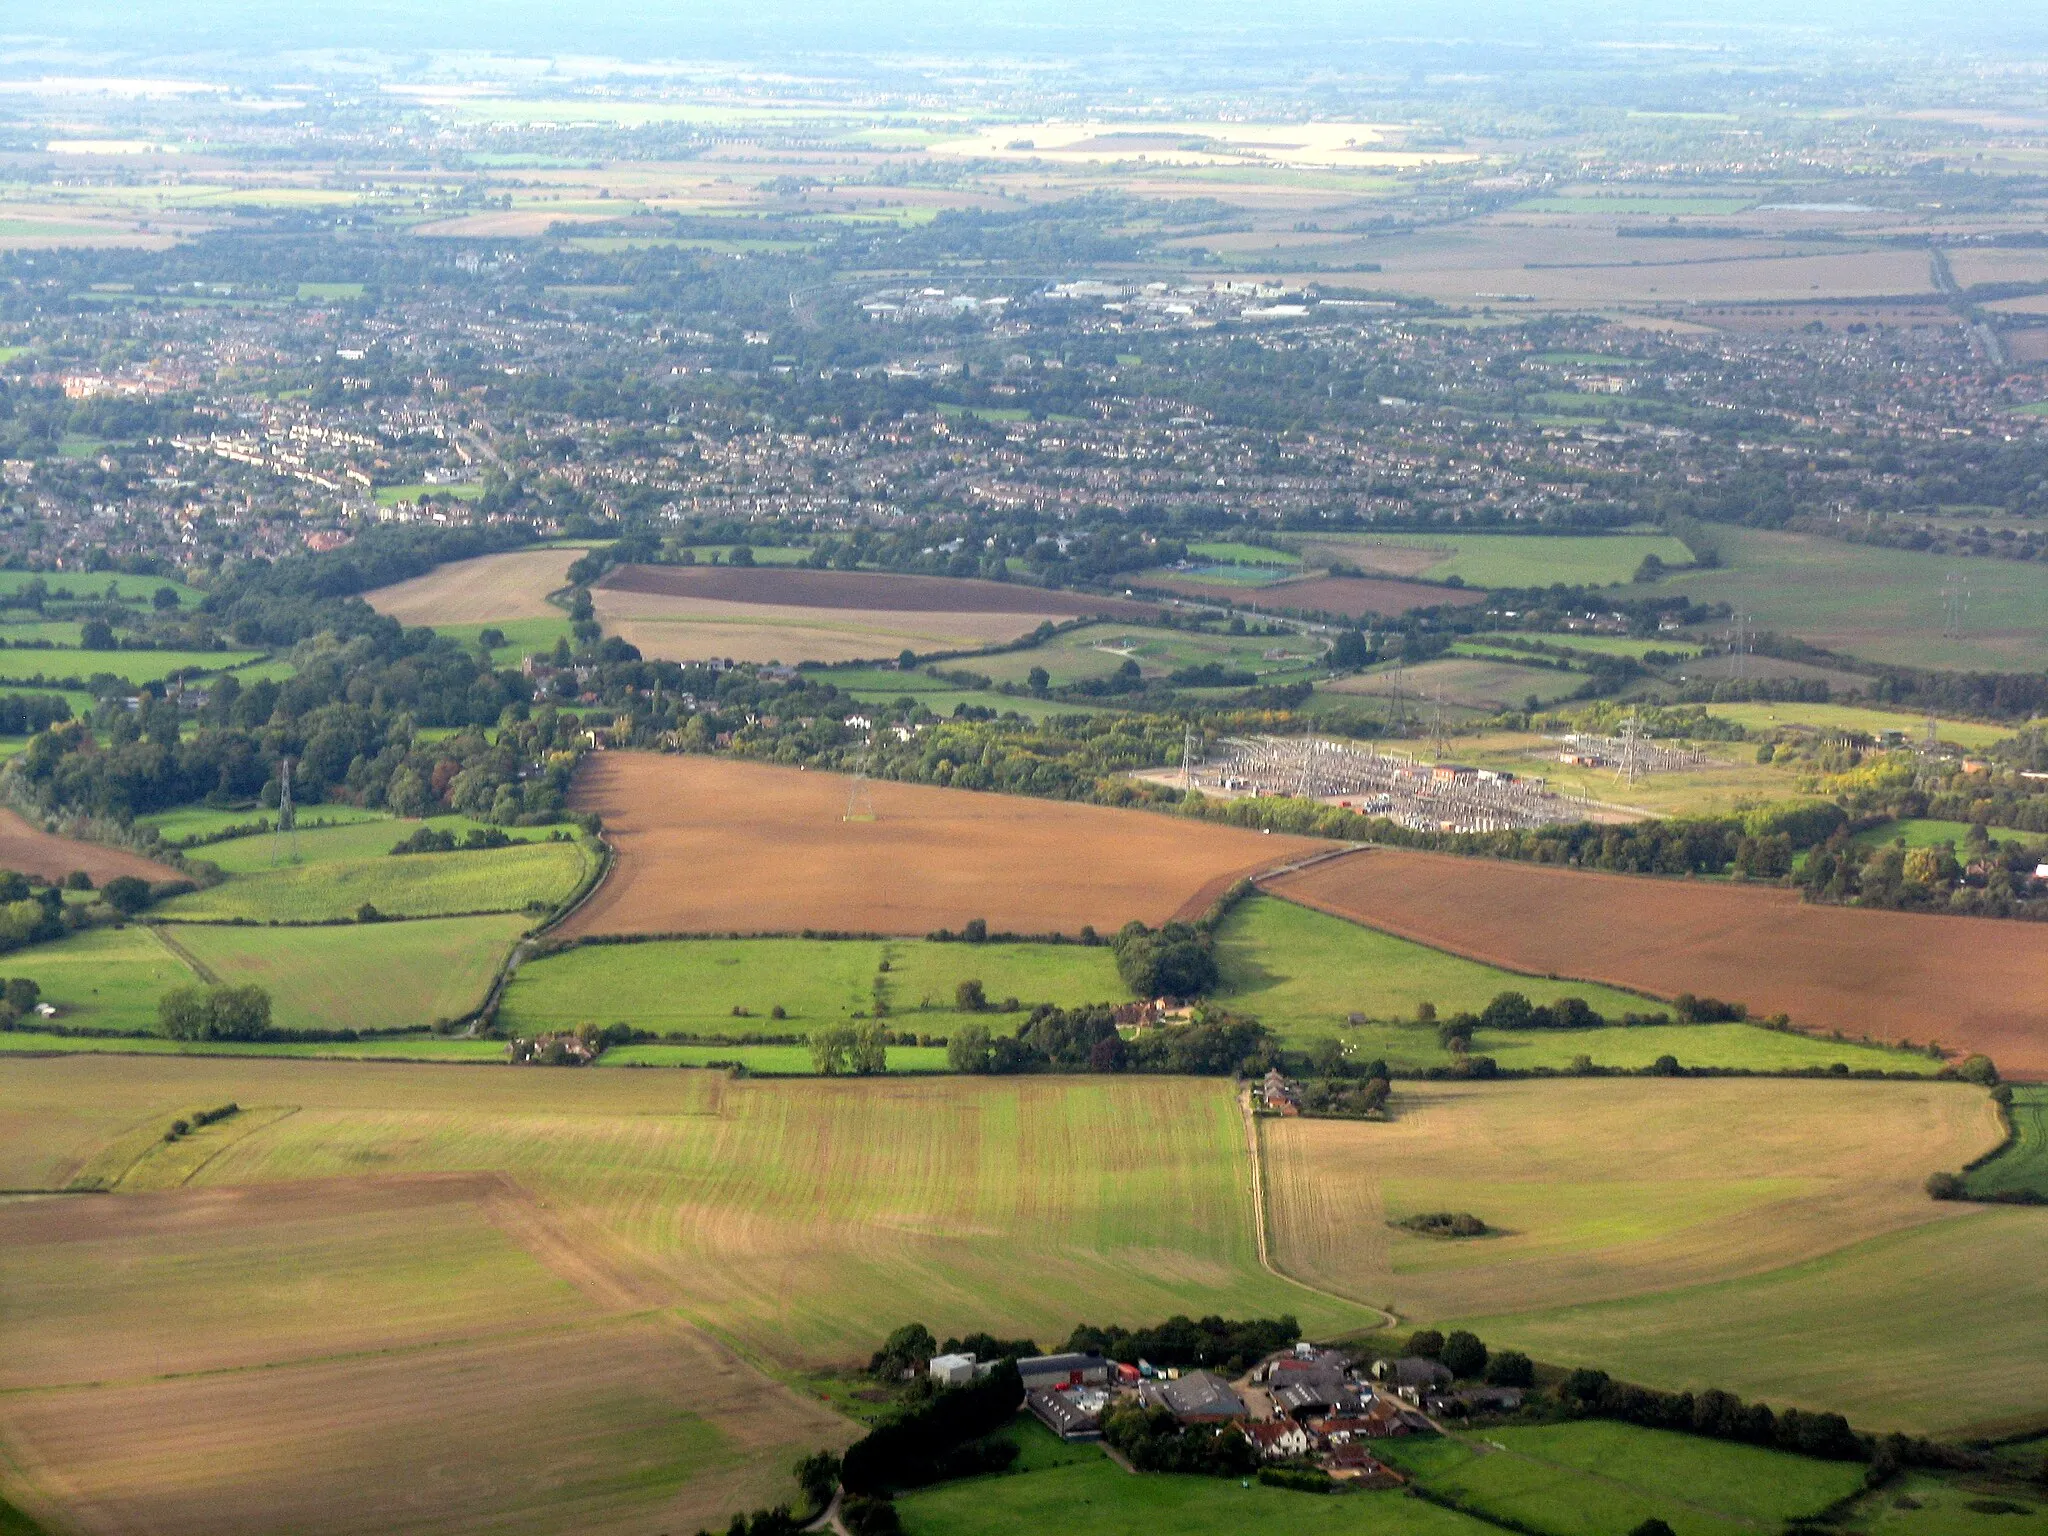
<point x="840" y="770"/>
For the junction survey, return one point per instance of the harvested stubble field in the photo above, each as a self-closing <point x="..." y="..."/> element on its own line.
<point x="721" y="845"/>
<point x="1354" y="597"/>
<point x="1975" y="984"/>
<point x="480" y="591"/>
<point x="777" y="614"/>
<point x="1677" y="1201"/>
<point x="32" y="851"/>
<point x="525" y="1240"/>
<point x="237" y="1360"/>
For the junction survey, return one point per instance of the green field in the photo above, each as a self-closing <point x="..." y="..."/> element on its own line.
<point x="1941" y="1329"/>
<point x="1098" y="650"/>
<point x="103" y="978"/>
<point x="331" y="290"/>
<point x="694" y="985"/>
<point x="2023" y="1166"/>
<point x="133" y="666"/>
<point x="1881" y="604"/>
<point x="391" y="495"/>
<point x="364" y="836"/>
<point x="416" y="1048"/>
<point x="1761" y="719"/>
<point x="1591" y="645"/>
<point x="360" y="976"/>
<point x="189" y="821"/>
<point x="1086" y="1494"/>
<point x="1597" y="1479"/>
<point x="1229" y="553"/>
<point x="523" y="637"/>
<point x="529" y="877"/>
<point x="79" y="586"/>
<point x="1915" y="833"/>
<point x="1925" y="1504"/>
<point x="1506" y="559"/>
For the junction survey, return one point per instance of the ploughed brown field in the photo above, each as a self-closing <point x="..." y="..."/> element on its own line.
<point x="487" y="590"/>
<point x="1975" y="984"/>
<point x="719" y="845"/>
<point x="1353" y="596"/>
<point x="865" y="591"/>
<point x="33" y="851"/>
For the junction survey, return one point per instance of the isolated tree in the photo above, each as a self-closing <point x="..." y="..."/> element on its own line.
<point x="830" y="1050"/>
<point x="969" y="997"/>
<point x="1464" y="1356"/>
<point x="126" y="893"/>
<point x="1426" y="1342"/>
<point x="969" y="1048"/>
<point x="870" y="1054"/>
<point x="1510" y="1368"/>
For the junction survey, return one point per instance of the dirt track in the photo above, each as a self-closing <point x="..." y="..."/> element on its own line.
<point x="866" y="591"/>
<point x="33" y="851"/>
<point x="1971" y="983"/>
<point x="711" y="845"/>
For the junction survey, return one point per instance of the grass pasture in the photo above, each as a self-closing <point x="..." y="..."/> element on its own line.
<point x="1500" y="559"/>
<point x="103" y="978"/>
<point x="1593" y="1479"/>
<point x="360" y="837"/>
<point x="1762" y="719"/>
<point x="531" y="877"/>
<point x="1089" y="1495"/>
<point x="189" y="821"/>
<point x="363" y="976"/>
<point x="694" y="985"/>
<point x="1881" y="604"/>
<point x="136" y="667"/>
<point x="2021" y="1168"/>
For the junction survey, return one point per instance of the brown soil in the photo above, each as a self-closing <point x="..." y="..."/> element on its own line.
<point x="33" y="851"/>
<point x="1355" y="597"/>
<point x="1973" y="984"/>
<point x="709" y="845"/>
<point x="863" y="590"/>
<point x="487" y="590"/>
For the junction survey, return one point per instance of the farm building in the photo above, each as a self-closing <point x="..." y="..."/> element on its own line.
<point x="1412" y="1373"/>
<point x="1072" y="1413"/>
<point x="1048" y="1371"/>
<point x="1200" y="1397"/>
<point x="953" y="1370"/>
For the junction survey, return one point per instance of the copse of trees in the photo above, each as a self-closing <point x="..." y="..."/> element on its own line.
<point x="215" y="1013"/>
<point x="1214" y="1044"/>
<point x="1230" y="1346"/>
<point x="928" y="1441"/>
<point x="1716" y="1414"/>
<point x="1177" y="961"/>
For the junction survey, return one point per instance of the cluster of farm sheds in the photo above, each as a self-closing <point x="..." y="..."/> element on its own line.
<point x="1307" y="1404"/>
<point x="1424" y="796"/>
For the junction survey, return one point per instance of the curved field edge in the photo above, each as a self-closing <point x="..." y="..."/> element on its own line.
<point x="1620" y="1198"/>
<point x="1939" y="1330"/>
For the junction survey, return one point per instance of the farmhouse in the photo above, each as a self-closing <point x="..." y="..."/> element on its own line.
<point x="1278" y="1439"/>
<point x="1051" y="1371"/>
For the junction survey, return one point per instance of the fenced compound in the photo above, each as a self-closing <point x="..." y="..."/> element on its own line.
<point x="1425" y="796"/>
<point x="1630" y="755"/>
